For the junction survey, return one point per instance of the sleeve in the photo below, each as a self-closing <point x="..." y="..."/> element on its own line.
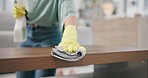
<point x="66" y="8"/>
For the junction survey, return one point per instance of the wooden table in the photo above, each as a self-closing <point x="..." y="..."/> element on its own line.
<point x="23" y="59"/>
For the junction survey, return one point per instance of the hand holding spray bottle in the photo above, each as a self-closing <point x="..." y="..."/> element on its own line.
<point x="20" y="26"/>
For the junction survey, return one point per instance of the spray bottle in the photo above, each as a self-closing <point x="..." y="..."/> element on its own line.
<point x="20" y="26"/>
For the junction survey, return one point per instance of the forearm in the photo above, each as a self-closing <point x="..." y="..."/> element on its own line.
<point x="70" y="21"/>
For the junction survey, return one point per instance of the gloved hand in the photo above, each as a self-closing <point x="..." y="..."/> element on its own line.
<point x="18" y="11"/>
<point x="69" y="40"/>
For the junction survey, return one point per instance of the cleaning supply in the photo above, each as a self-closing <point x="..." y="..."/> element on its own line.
<point x="58" y="52"/>
<point x="69" y="49"/>
<point x="20" y="23"/>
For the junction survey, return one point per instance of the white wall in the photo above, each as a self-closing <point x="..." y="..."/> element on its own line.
<point x="9" y="5"/>
<point x="143" y="30"/>
<point x="1" y="5"/>
<point x="78" y="4"/>
<point x="132" y="10"/>
<point x="120" y="8"/>
<point x="6" y="5"/>
<point x="146" y="7"/>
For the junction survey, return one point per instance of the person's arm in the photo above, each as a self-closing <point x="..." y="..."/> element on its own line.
<point x="69" y="40"/>
<point x="68" y="18"/>
<point x="70" y="21"/>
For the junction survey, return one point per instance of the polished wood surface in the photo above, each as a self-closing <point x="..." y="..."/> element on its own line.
<point x="24" y="59"/>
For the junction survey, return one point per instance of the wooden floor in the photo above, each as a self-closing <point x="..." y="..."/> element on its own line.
<point x="136" y="69"/>
<point x="9" y="75"/>
<point x="12" y="75"/>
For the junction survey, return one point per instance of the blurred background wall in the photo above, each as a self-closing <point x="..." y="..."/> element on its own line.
<point x="116" y="23"/>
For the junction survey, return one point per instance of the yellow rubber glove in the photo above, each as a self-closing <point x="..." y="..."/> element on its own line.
<point x="69" y="40"/>
<point x="18" y="11"/>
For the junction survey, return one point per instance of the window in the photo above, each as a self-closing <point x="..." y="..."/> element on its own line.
<point x="1" y="5"/>
<point x="6" y="5"/>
